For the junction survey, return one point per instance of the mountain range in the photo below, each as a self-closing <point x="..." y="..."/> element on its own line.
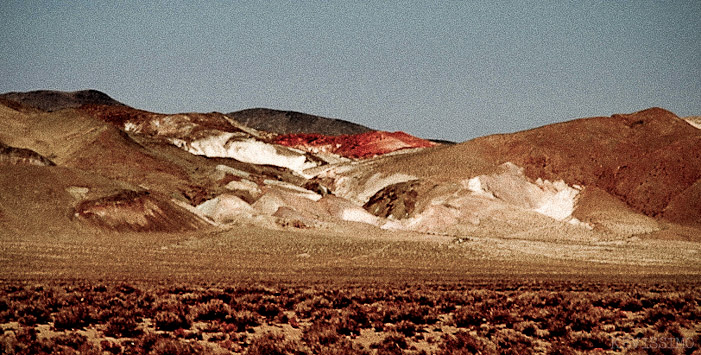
<point x="82" y="163"/>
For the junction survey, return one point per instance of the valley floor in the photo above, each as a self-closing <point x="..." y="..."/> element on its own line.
<point x="360" y="291"/>
<point x="358" y="254"/>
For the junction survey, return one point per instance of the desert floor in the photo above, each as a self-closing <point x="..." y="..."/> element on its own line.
<point x="290" y="290"/>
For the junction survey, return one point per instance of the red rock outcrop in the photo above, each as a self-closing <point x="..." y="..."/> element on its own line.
<point x="356" y="146"/>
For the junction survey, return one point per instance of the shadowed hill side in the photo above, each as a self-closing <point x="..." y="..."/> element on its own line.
<point x="40" y="199"/>
<point x="137" y="211"/>
<point x="20" y="156"/>
<point x="48" y="100"/>
<point x="287" y="122"/>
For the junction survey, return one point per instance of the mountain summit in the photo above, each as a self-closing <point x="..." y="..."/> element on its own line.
<point x="49" y="100"/>
<point x="290" y="122"/>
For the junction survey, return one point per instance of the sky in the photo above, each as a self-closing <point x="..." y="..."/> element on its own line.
<point x="444" y="70"/>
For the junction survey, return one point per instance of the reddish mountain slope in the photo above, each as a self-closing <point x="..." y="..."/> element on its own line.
<point x="363" y="145"/>
<point x="646" y="159"/>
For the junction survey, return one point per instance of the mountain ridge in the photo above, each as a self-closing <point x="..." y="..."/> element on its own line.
<point x="220" y="170"/>
<point x="290" y="122"/>
<point x="53" y="100"/>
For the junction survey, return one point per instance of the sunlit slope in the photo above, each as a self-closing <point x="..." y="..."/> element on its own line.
<point x="646" y="159"/>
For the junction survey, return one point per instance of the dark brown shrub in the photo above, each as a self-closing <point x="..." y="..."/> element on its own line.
<point x="558" y="328"/>
<point x="406" y="327"/>
<point x="528" y="328"/>
<point x="463" y="343"/>
<point x="73" y="317"/>
<point x="320" y="334"/>
<point x="214" y="309"/>
<point x="6" y="314"/>
<point x="31" y="314"/>
<point x="509" y="341"/>
<point x="590" y="340"/>
<point x="660" y="313"/>
<point x="274" y="344"/>
<point x="560" y="348"/>
<point x="123" y="326"/>
<point x="71" y="339"/>
<point x="631" y="304"/>
<point x="243" y="320"/>
<point x="111" y="347"/>
<point x="269" y="310"/>
<point x="309" y="307"/>
<point x="391" y="344"/>
<point x="171" y="320"/>
<point x="143" y="346"/>
<point x="466" y="317"/>
<point x="166" y="346"/>
<point x="126" y="288"/>
<point x="343" y="347"/>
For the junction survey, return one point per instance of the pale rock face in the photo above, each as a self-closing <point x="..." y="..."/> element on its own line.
<point x="558" y="205"/>
<point x="277" y="197"/>
<point x="553" y="199"/>
<point x="346" y="210"/>
<point x="179" y="125"/>
<point x="132" y="127"/>
<point x="361" y="190"/>
<point x="244" y="185"/>
<point x="434" y="219"/>
<point x="247" y="151"/>
<point x="694" y="121"/>
<point x="358" y="215"/>
<point x="298" y="191"/>
<point x="288" y="203"/>
<point x="225" y="208"/>
<point x="78" y="192"/>
<point x="270" y="203"/>
<point x="475" y="185"/>
<point x="222" y="170"/>
<point x="502" y="197"/>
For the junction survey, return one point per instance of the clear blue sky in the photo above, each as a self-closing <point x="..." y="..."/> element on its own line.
<point x="453" y="70"/>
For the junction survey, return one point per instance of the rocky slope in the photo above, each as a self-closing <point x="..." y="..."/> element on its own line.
<point x="647" y="159"/>
<point x="167" y="172"/>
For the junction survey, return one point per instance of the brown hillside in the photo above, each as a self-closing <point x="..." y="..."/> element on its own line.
<point x="72" y="139"/>
<point x="646" y="159"/>
<point x="120" y="115"/>
<point x="137" y="211"/>
<point x="20" y="156"/>
<point x="50" y="100"/>
<point x="37" y="199"/>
